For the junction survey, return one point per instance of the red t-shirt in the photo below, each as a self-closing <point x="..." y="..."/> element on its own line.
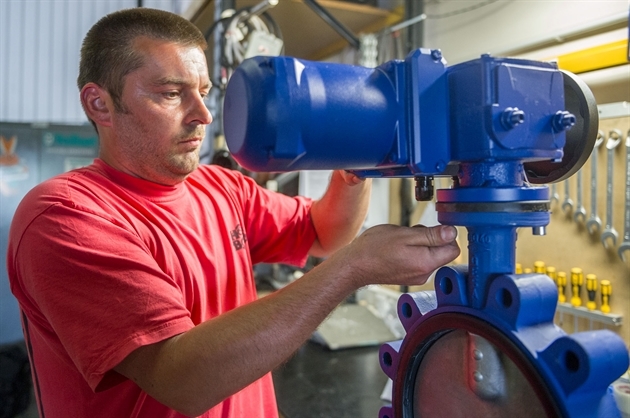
<point x="102" y="263"/>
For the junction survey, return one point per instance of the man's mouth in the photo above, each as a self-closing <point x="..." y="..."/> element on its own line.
<point x="194" y="140"/>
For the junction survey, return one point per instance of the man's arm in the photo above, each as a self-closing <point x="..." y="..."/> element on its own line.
<point x="339" y="214"/>
<point x="196" y="370"/>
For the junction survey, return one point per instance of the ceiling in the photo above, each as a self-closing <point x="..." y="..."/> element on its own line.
<point x="306" y="35"/>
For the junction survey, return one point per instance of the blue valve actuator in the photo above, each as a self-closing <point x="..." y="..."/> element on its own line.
<point x="403" y="118"/>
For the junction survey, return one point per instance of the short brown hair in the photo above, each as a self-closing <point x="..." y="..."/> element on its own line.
<point x="107" y="53"/>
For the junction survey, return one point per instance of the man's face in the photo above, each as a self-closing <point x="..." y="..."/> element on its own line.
<point x="159" y="134"/>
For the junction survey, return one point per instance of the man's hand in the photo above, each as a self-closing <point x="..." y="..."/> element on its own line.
<point x="389" y="254"/>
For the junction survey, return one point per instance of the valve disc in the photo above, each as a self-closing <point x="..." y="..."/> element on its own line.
<point x="454" y="372"/>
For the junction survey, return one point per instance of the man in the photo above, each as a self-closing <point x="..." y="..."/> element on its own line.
<point x="134" y="275"/>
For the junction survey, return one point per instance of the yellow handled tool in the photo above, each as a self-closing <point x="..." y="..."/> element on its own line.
<point x="551" y="272"/>
<point x="562" y="285"/>
<point x="606" y="289"/>
<point x="591" y="290"/>
<point x="577" y="281"/>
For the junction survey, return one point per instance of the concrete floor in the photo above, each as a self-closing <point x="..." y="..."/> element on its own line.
<point x="31" y="411"/>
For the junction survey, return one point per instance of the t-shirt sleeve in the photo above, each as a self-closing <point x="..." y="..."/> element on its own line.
<point x="279" y="227"/>
<point x="101" y="272"/>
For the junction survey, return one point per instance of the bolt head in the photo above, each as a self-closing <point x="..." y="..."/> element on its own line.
<point x="563" y="121"/>
<point x="436" y="54"/>
<point x="512" y="117"/>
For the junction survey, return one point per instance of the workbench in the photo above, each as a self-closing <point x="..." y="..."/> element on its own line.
<point x="317" y="382"/>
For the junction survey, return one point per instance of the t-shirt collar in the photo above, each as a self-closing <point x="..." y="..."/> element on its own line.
<point x="137" y="185"/>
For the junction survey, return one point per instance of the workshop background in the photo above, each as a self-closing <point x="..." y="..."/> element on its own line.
<point x="44" y="131"/>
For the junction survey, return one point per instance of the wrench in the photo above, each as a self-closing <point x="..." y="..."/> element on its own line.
<point x="594" y="224"/>
<point x="614" y="138"/>
<point x="567" y="205"/>
<point x="580" y="213"/>
<point x="555" y="197"/>
<point x="625" y="245"/>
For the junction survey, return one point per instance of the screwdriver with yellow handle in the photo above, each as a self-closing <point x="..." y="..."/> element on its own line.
<point x="551" y="272"/>
<point x="591" y="290"/>
<point x="562" y="285"/>
<point x="606" y="290"/>
<point x="577" y="281"/>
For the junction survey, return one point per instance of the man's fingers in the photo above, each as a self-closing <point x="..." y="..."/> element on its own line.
<point x="448" y="233"/>
<point x="445" y="253"/>
<point x="350" y="178"/>
<point x="435" y="236"/>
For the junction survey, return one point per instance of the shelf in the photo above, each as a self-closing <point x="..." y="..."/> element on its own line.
<point x="597" y="316"/>
<point x="305" y="34"/>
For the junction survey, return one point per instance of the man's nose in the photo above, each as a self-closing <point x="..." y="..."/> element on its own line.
<point x="199" y="113"/>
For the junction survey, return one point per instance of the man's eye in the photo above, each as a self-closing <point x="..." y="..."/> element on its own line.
<point x="171" y="94"/>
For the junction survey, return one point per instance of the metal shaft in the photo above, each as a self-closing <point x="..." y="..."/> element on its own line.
<point x="492" y="252"/>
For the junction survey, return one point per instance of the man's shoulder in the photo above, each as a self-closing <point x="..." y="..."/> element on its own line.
<point x="66" y="189"/>
<point x="59" y="188"/>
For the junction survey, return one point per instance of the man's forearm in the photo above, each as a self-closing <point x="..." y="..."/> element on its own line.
<point x="196" y="370"/>
<point x="339" y="214"/>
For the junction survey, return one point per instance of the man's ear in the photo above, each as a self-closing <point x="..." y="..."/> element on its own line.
<point x="97" y="104"/>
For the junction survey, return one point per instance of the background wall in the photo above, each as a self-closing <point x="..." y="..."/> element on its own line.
<point x="40" y="42"/>
<point x="509" y="27"/>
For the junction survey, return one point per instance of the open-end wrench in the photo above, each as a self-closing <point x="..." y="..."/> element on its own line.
<point x="609" y="233"/>
<point x="580" y="212"/>
<point x="594" y="224"/>
<point x="567" y="205"/>
<point x="625" y="245"/>
<point x="555" y="197"/>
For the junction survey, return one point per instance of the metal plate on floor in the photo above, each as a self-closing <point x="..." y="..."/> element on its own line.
<point x="352" y="325"/>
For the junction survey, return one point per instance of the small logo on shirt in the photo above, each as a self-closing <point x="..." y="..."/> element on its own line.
<point x="238" y="237"/>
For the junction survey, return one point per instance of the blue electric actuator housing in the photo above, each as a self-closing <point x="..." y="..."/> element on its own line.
<point x="404" y="118"/>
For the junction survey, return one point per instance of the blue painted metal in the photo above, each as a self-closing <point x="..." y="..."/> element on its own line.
<point x="283" y="114"/>
<point x="576" y="369"/>
<point x="404" y="118"/>
<point x="478" y="121"/>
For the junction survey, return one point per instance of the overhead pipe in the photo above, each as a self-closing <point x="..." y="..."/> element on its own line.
<point x="334" y="23"/>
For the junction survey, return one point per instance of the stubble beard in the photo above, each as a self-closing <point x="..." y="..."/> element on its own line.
<point x="185" y="164"/>
<point x="154" y="163"/>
